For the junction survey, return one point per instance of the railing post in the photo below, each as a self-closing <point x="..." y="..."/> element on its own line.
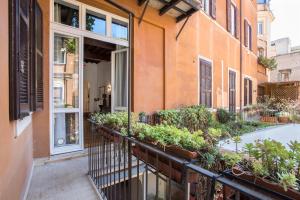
<point x="211" y="188"/>
<point x="187" y="188"/>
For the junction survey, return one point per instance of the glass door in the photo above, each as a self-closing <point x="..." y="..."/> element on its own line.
<point x="119" y="80"/>
<point x="66" y="92"/>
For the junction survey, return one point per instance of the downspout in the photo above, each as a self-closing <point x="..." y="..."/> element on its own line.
<point x="241" y="57"/>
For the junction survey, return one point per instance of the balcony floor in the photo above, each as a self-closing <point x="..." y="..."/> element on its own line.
<point x="62" y="180"/>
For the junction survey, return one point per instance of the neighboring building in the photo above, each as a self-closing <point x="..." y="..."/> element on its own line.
<point x="264" y="19"/>
<point x="288" y="60"/>
<point x="74" y="59"/>
<point x="280" y="47"/>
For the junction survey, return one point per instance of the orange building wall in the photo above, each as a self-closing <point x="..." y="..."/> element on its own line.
<point x="15" y="151"/>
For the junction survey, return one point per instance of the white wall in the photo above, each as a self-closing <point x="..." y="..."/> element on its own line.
<point x="288" y="61"/>
<point x="96" y="75"/>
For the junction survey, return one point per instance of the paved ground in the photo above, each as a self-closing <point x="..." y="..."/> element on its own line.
<point x="283" y="134"/>
<point x="62" y="180"/>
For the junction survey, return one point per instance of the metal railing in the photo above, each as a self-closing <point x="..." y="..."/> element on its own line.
<point x="123" y="168"/>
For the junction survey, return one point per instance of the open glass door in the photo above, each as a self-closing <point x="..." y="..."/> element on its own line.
<point x="66" y="104"/>
<point x="119" y="80"/>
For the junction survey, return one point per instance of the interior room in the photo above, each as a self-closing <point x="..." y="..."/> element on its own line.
<point x="97" y="85"/>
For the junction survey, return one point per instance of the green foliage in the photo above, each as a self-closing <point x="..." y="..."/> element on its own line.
<point x="169" y="117"/>
<point x="195" y="118"/>
<point x="71" y="45"/>
<point x="269" y="158"/>
<point x="223" y="116"/>
<point x="269" y="63"/>
<point x="231" y="159"/>
<point x="287" y="180"/>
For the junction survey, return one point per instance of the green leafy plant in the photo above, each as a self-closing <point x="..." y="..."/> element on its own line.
<point x="287" y="180"/>
<point x="223" y="116"/>
<point x="269" y="63"/>
<point x="231" y="159"/>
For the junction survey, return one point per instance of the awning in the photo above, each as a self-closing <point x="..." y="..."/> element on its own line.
<point x="179" y="9"/>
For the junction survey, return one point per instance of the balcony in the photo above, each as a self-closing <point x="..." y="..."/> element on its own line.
<point x="122" y="167"/>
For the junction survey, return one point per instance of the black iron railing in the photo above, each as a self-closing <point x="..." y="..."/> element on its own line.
<point x="123" y="168"/>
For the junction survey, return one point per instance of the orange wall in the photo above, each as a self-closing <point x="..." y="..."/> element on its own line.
<point x="15" y="152"/>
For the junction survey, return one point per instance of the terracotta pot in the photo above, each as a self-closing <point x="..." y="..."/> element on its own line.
<point x="268" y="119"/>
<point x="162" y="165"/>
<point x="188" y="155"/>
<point x="293" y="194"/>
<point x="284" y="120"/>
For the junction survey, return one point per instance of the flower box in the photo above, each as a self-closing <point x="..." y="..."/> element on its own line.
<point x="265" y="184"/>
<point x="268" y="119"/>
<point x="109" y="135"/>
<point x="176" y="173"/>
<point x="283" y="120"/>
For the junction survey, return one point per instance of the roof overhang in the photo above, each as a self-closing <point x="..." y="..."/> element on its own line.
<point x="179" y="9"/>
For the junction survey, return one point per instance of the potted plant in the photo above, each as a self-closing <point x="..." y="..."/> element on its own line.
<point x="143" y="117"/>
<point x="270" y="165"/>
<point x="283" y="117"/>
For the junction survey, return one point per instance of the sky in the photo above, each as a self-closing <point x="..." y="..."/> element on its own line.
<point x="287" y="20"/>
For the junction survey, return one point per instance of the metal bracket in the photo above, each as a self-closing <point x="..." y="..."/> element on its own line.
<point x="182" y="27"/>
<point x="143" y="13"/>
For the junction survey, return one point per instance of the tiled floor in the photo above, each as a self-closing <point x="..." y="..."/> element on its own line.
<point x="62" y="180"/>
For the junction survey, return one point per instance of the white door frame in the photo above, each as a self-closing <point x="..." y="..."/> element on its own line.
<point x="113" y="62"/>
<point x="79" y="33"/>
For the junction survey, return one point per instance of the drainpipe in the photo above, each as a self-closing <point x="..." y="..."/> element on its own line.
<point x="241" y="57"/>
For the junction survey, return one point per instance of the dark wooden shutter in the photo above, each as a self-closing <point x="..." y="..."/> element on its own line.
<point x="237" y="32"/>
<point x="246" y="33"/>
<point x="20" y="92"/>
<point x="250" y="37"/>
<point x="228" y="16"/>
<point x="250" y="92"/>
<point x="245" y="92"/>
<point x="205" y="83"/>
<point x="213" y="9"/>
<point x="39" y="86"/>
<point x="232" y="91"/>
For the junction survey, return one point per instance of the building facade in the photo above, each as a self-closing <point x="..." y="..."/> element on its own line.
<point x="49" y="86"/>
<point x="288" y="60"/>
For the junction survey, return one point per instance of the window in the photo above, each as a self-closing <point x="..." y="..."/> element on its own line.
<point x="284" y="75"/>
<point x="66" y="13"/>
<point x="95" y="22"/>
<point x="261" y="52"/>
<point x="119" y="29"/>
<point x="206" y="6"/>
<point x="232" y="91"/>
<point x="247" y="35"/>
<point x="205" y="83"/>
<point x="260" y="28"/>
<point x="26" y="58"/>
<point x="247" y="92"/>
<point x="209" y="7"/>
<point x="232" y="19"/>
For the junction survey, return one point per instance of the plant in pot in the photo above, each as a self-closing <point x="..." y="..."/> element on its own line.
<point x="142" y="117"/>
<point x="283" y="117"/>
<point x="272" y="166"/>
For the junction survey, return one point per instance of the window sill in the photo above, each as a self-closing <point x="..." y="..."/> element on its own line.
<point x="22" y="124"/>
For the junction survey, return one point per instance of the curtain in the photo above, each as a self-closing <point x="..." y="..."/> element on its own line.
<point x="57" y="13"/>
<point x="121" y="80"/>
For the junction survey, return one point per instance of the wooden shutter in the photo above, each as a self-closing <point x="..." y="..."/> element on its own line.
<point x="232" y="91"/>
<point x="213" y="9"/>
<point x="39" y="86"/>
<point x="228" y="16"/>
<point x="246" y="33"/>
<point x="237" y="32"/>
<point x="250" y="37"/>
<point x="20" y="92"/>
<point x="250" y="92"/>
<point x="205" y="83"/>
<point x="245" y="92"/>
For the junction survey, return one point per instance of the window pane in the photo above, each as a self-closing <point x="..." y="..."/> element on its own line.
<point x="65" y="13"/>
<point x="119" y="29"/>
<point x="66" y="129"/>
<point x="66" y="72"/>
<point x="120" y="79"/>
<point x="95" y="22"/>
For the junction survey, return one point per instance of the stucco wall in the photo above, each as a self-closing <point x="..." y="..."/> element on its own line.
<point x="15" y="151"/>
